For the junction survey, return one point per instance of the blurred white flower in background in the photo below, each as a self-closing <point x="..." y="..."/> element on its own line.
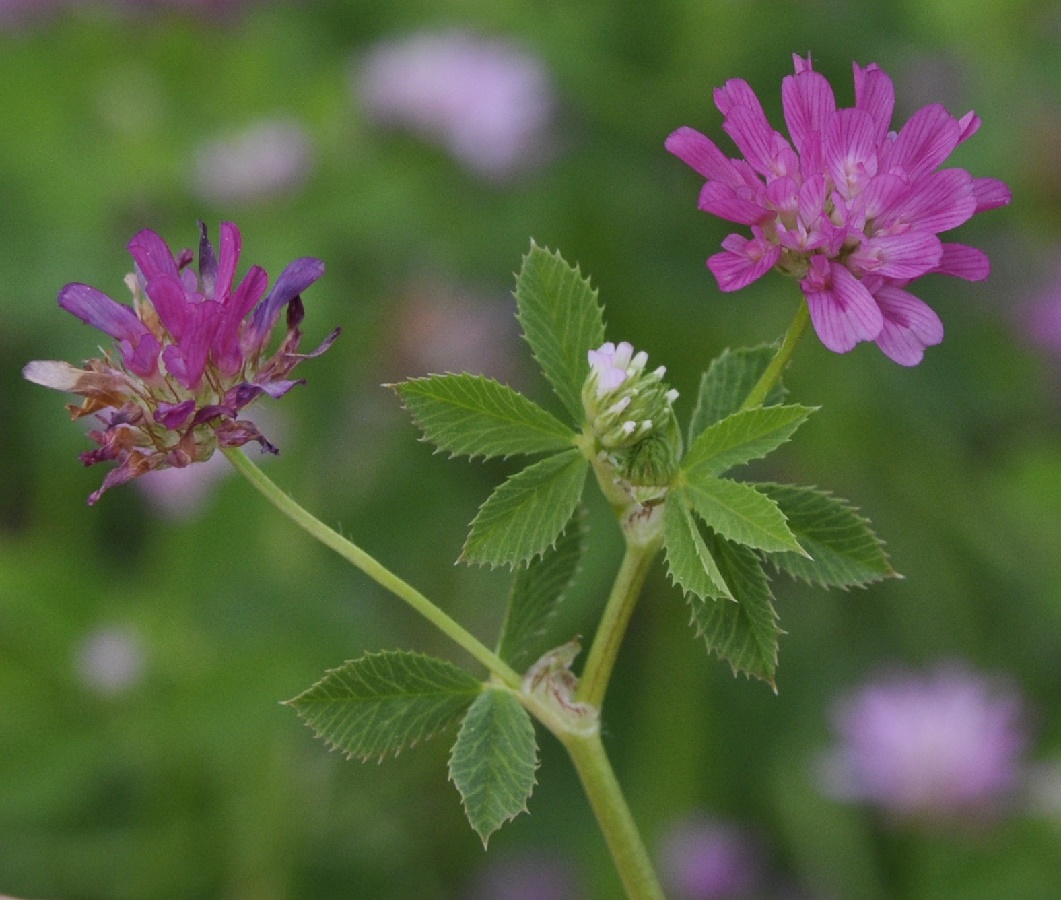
<point x="109" y="660"/>
<point x="488" y="102"/>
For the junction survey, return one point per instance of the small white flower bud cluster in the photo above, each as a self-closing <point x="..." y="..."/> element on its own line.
<point x="622" y="401"/>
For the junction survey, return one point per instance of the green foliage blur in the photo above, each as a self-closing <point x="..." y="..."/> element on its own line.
<point x="144" y="646"/>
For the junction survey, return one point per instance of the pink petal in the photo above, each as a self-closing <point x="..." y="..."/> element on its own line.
<point x="228" y="259"/>
<point x="842" y="310"/>
<point x="938" y="202"/>
<point x="875" y="94"/>
<point x="909" y="326"/>
<point x="882" y="194"/>
<point x="171" y="302"/>
<point x="963" y="262"/>
<point x="924" y="142"/>
<point x="755" y="139"/>
<point x="737" y="92"/>
<point x="743" y="261"/>
<point x="702" y="155"/>
<point x="722" y="201"/>
<point x="990" y="193"/>
<point x="808" y="102"/>
<point x="969" y="125"/>
<point x="905" y="256"/>
<point x="849" y="150"/>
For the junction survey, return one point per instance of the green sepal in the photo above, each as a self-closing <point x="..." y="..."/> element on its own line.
<point x="470" y="415"/>
<point x="562" y="321"/>
<point x="494" y="760"/>
<point x="843" y="550"/>
<point x="537" y="590"/>
<point x="689" y="562"/>
<point x="740" y="513"/>
<point x="741" y="437"/>
<point x="385" y="702"/>
<point x="729" y="379"/>
<point x="745" y="634"/>
<point x="524" y="516"/>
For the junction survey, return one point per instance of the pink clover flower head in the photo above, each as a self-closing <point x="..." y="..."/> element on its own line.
<point x="844" y="204"/>
<point x="942" y="747"/>
<point x="190" y="355"/>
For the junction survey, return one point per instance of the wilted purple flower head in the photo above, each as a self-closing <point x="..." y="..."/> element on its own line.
<point x="704" y="859"/>
<point x="488" y="102"/>
<point x="850" y="208"/>
<point x="946" y="746"/>
<point x="190" y="355"/>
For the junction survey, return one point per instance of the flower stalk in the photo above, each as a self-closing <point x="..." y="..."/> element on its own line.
<point x="373" y="569"/>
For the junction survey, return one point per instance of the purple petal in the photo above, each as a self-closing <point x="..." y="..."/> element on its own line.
<point x="231" y="244"/>
<point x="721" y="200"/>
<point x="924" y="142"/>
<point x="881" y="195"/>
<point x="963" y="262"/>
<point x="171" y="302"/>
<point x="298" y="276"/>
<point x="909" y="326"/>
<point x="743" y="261"/>
<point x="808" y="103"/>
<point x="98" y="310"/>
<point x="875" y="93"/>
<point x="702" y="155"/>
<point x="968" y="124"/>
<point x="226" y="345"/>
<point x="174" y="415"/>
<point x="990" y="193"/>
<point x="152" y="255"/>
<point x="842" y="310"/>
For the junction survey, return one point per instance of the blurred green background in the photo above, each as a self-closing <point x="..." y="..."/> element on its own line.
<point x="145" y="644"/>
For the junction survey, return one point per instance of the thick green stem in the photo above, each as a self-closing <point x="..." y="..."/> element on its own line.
<point x="374" y="570"/>
<point x="620" y="607"/>
<point x="777" y="365"/>
<point x="620" y="832"/>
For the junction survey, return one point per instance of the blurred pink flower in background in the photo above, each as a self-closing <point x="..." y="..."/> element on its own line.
<point x="271" y="157"/>
<point x="488" y="102"/>
<point x="530" y="876"/>
<point x="1042" y="319"/>
<point x="706" y="859"/>
<point x="946" y="746"/>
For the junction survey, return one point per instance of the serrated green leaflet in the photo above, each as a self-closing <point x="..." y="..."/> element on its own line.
<point x="523" y="517"/>
<point x="689" y="562"/>
<point x="741" y="437"/>
<point x="562" y="321"/>
<point x="745" y="633"/>
<point x="727" y="381"/>
<point x="493" y="761"/>
<point x="844" y="550"/>
<point x="385" y="702"/>
<point x="536" y="593"/>
<point x="469" y="415"/>
<point x="737" y="511"/>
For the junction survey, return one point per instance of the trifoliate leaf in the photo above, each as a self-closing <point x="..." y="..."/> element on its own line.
<point x="494" y="760"/>
<point x="738" y="511"/>
<point x="522" y="518"/>
<point x="745" y="633"/>
<point x="562" y="321"/>
<point x="844" y="551"/>
<point x="385" y="702"/>
<point x="741" y="437"/>
<point x="727" y="382"/>
<point x="537" y="591"/>
<point x="469" y="415"/>
<point x="689" y="562"/>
